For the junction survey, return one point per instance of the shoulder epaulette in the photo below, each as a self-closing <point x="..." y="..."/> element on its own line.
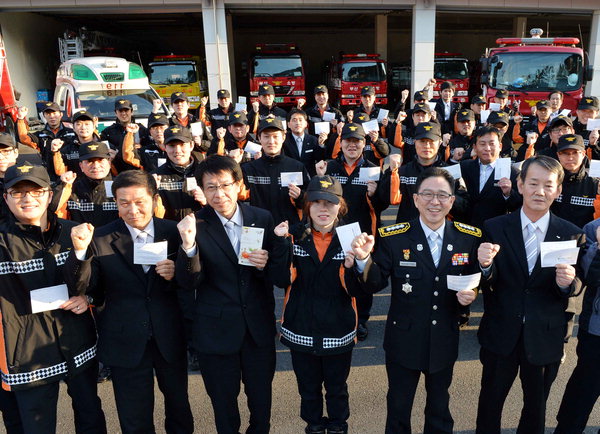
<point x="468" y="229"/>
<point x="398" y="228"/>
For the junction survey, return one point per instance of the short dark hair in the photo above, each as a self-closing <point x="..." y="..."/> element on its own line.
<point x="297" y="111"/>
<point x="135" y="178"/>
<point x="488" y="129"/>
<point x="548" y="163"/>
<point x="435" y="172"/>
<point x="562" y="95"/>
<point x="215" y="164"/>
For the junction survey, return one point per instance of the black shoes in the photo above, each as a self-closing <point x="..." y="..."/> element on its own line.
<point x="362" y="331"/>
<point x="103" y="374"/>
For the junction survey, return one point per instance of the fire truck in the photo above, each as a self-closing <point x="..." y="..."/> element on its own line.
<point x="179" y="73"/>
<point x="281" y="66"/>
<point x="454" y="68"/>
<point x="531" y="68"/>
<point x="8" y="102"/>
<point x="348" y="74"/>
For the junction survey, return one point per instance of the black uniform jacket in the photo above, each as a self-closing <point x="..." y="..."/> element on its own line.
<point x="422" y="324"/>
<point x="232" y="300"/>
<point x="578" y="199"/>
<point x="517" y="303"/>
<point x="91" y="202"/>
<point x="177" y="201"/>
<point x="137" y="305"/>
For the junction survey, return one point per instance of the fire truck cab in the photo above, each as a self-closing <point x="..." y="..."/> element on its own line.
<point x="454" y="68"/>
<point x="531" y="68"/>
<point x="348" y="74"/>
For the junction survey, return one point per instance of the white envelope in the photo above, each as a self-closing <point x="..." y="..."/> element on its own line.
<point x="369" y="174"/>
<point x="502" y="168"/>
<point x="593" y="124"/>
<point x="49" y="298"/>
<point x="559" y="252"/>
<point x="485" y="114"/>
<point x="107" y="187"/>
<point x="454" y="170"/>
<point x="372" y="125"/>
<point x="288" y="178"/>
<point x="252" y="239"/>
<point x="565" y="112"/>
<point x="457" y="283"/>
<point x="494" y="106"/>
<point x="594" y="171"/>
<point x="383" y="113"/>
<point x="252" y="148"/>
<point x="191" y="183"/>
<point x="322" y="127"/>
<point x="431" y="105"/>
<point x="242" y="100"/>
<point x="284" y="123"/>
<point x="240" y="107"/>
<point x="149" y="253"/>
<point x="328" y="116"/>
<point x="161" y="161"/>
<point x="196" y="129"/>
<point x="346" y="235"/>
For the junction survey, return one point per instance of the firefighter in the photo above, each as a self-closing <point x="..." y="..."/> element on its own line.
<point x="559" y="126"/>
<point x="405" y="137"/>
<point x="219" y="117"/>
<point x="316" y="113"/>
<point x="182" y="117"/>
<point x="587" y="109"/>
<point x="538" y="128"/>
<point x="235" y="141"/>
<point x="500" y="121"/>
<point x="478" y="103"/>
<point x="8" y="157"/>
<point x="459" y="146"/>
<point x="376" y="148"/>
<point x="371" y="109"/>
<point x="152" y="155"/>
<point x="265" y="107"/>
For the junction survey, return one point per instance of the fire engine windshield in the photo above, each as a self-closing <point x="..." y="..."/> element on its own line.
<point x="173" y="73"/>
<point x="278" y="66"/>
<point x="102" y="103"/>
<point x="543" y="71"/>
<point x="450" y="69"/>
<point x="363" y="71"/>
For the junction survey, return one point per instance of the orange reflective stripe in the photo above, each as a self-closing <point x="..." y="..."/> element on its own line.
<point x="159" y="209"/>
<point x="398" y="139"/>
<point x="3" y="361"/>
<point x="447" y="152"/>
<point x="383" y="132"/>
<point x="255" y="126"/>
<point x="337" y="147"/>
<point x="597" y="207"/>
<point x="202" y="115"/>
<point x="530" y="151"/>
<point x="128" y="154"/>
<point x="59" y="164"/>
<point x="395" y="194"/>
<point x="61" y="208"/>
<point x="588" y="153"/>
<point x="244" y="193"/>
<point x="516" y="136"/>
<point x="221" y="147"/>
<point x="23" y="136"/>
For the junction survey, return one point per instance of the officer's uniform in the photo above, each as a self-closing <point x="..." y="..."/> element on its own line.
<point x="219" y="117"/>
<point x="150" y="156"/>
<point x="421" y="334"/>
<point x="373" y="151"/>
<point x="264" y="111"/>
<point x="41" y="140"/>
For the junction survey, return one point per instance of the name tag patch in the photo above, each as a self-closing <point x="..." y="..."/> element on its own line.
<point x="408" y="264"/>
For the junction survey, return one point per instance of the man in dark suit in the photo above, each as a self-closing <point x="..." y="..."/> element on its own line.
<point x="300" y="145"/>
<point x="141" y="329"/>
<point x="421" y="335"/>
<point x="523" y="326"/>
<point x="234" y="327"/>
<point x="446" y="108"/>
<point x="488" y="197"/>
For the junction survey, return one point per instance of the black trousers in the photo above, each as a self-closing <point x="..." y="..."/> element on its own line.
<point x="222" y="374"/>
<point x="402" y="385"/>
<point x="10" y="413"/>
<point x="499" y="374"/>
<point x="364" y="302"/>
<point x="583" y="388"/>
<point x="134" y="393"/>
<point x="37" y="405"/>
<point x="314" y="372"/>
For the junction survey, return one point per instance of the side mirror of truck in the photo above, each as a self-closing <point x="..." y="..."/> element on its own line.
<point x="588" y="73"/>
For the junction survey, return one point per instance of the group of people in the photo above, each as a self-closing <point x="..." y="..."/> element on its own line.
<point x="151" y="248"/>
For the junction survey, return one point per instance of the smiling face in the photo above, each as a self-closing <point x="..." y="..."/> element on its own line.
<point x="124" y="115"/>
<point x="271" y="141"/>
<point x="135" y="205"/>
<point x="95" y="168"/>
<point x="298" y="124"/>
<point x="584" y="115"/>
<point x="179" y="152"/>
<point x="221" y="192"/>
<point x="84" y="128"/>
<point x="539" y="189"/>
<point x="433" y="212"/>
<point x="367" y="100"/>
<point x="352" y="148"/>
<point x="8" y="157"/>
<point x="323" y="214"/>
<point x="488" y="148"/>
<point x="27" y="209"/>
<point x="322" y="98"/>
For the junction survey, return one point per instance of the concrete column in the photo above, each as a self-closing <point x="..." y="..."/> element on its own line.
<point x="423" y="44"/>
<point x="215" y="46"/>
<point x="231" y="56"/>
<point x="593" y="87"/>
<point x="381" y="35"/>
<point x="520" y="29"/>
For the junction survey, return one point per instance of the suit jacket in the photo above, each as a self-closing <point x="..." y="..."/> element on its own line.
<point x="516" y="302"/>
<point x="447" y="126"/>
<point x="422" y="325"/>
<point x="137" y="305"/>
<point x="232" y="300"/>
<point x="489" y="202"/>
<point x="311" y="153"/>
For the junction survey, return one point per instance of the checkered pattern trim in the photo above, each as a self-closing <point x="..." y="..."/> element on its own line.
<point x="357" y="181"/>
<point x="367" y="148"/>
<point x="22" y="267"/>
<point x="37" y="375"/>
<point x="339" y="342"/>
<point x="409" y="140"/>
<point x="171" y="186"/>
<point x="72" y="156"/>
<point x="299" y="251"/>
<point x="583" y="201"/>
<point x="263" y="180"/>
<point x="61" y="258"/>
<point x="306" y="341"/>
<point x="339" y="256"/>
<point x="408" y="180"/>
<point x="87" y="355"/>
<point x="109" y="206"/>
<point x="342" y="179"/>
<point x="81" y="206"/>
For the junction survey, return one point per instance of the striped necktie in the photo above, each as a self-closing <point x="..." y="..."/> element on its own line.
<point x="434" y="246"/>
<point x="531" y="246"/>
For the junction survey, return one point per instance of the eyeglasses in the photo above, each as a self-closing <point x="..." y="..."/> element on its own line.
<point x="15" y="194"/>
<point x="212" y="189"/>
<point x="5" y="153"/>
<point x="442" y="197"/>
<point x="561" y="130"/>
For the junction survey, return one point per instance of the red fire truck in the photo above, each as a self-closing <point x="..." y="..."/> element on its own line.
<point x="530" y="68"/>
<point x="348" y="74"/>
<point x="8" y="102"/>
<point x="452" y="67"/>
<point x="281" y="66"/>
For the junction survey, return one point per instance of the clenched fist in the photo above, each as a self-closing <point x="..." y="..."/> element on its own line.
<point x="187" y="231"/>
<point x="486" y="254"/>
<point x="362" y="245"/>
<point x="81" y="236"/>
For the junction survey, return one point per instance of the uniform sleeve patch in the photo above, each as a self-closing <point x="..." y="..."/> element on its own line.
<point x="398" y="228"/>
<point x="468" y="229"/>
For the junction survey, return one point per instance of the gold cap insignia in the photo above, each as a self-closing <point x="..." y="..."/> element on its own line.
<point x="48" y="104"/>
<point x="156" y="116"/>
<point x="121" y="101"/>
<point x="361" y="117"/>
<point x="265" y="87"/>
<point x="352" y="128"/>
<point x="325" y="184"/>
<point x="589" y="100"/>
<point x="464" y="113"/>
<point x="269" y="120"/>
<point x="25" y="168"/>
<point x="175" y="130"/>
<point x="569" y="139"/>
<point x="427" y="127"/>
<point x="92" y="147"/>
<point x="237" y="115"/>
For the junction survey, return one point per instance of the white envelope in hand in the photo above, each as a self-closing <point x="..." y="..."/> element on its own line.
<point x="240" y="107"/>
<point x="383" y="114"/>
<point x="594" y="169"/>
<point x="49" y="298"/>
<point x="369" y="174"/>
<point x="346" y="235"/>
<point x="149" y="253"/>
<point x="288" y="178"/>
<point x="196" y="129"/>
<point x="251" y="240"/>
<point x="372" y="125"/>
<point x="328" y="116"/>
<point x="453" y="170"/>
<point x="502" y="169"/>
<point x="558" y="252"/>
<point x="458" y="283"/>
<point x="322" y="127"/>
<point x="485" y="114"/>
<point x="593" y="124"/>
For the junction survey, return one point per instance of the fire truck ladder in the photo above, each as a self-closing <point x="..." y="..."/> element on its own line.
<point x="70" y="48"/>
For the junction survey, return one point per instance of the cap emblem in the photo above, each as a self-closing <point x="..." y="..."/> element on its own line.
<point x="25" y="168"/>
<point x="325" y="184"/>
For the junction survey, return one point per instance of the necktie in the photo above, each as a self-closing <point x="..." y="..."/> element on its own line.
<point x="434" y="246"/>
<point x="299" y="145"/>
<point x="486" y="170"/>
<point x="142" y="238"/>
<point x="447" y="111"/>
<point x="233" y="236"/>
<point x="531" y="246"/>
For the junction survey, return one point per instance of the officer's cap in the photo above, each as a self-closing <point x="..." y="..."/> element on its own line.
<point x="82" y="115"/>
<point x="353" y="131"/>
<point x="465" y="115"/>
<point x="321" y="89"/>
<point x="542" y="104"/>
<point x="7" y="141"/>
<point x="26" y="171"/>
<point x="51" y="106"/>
<point x="502" y="93"/>
<point x="420" y="96"/>
<point x="270" y="123"/>
<point x="266" y="89"/>
<point x="367" y="90"/>
<point x="497" y="118"/>
<point x="324" y="188"/>
<point x="360" y="118"/>
<point x="93" y="150"/>
<point x="422" y="107"/>
<point x="223" y="93"/>
<point x="428" y="130"/>
<point x="561" y="120"/>
<point x="570" y="141"/>
<point x="478" y="99"/>
<point x="123" y="104"/>
<point x="157" y="119"/>
<point x="588" y="103"/>
<point x="238" y="118"/>
<point x="178" y="96"/>
<point x="180" y="133"/>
